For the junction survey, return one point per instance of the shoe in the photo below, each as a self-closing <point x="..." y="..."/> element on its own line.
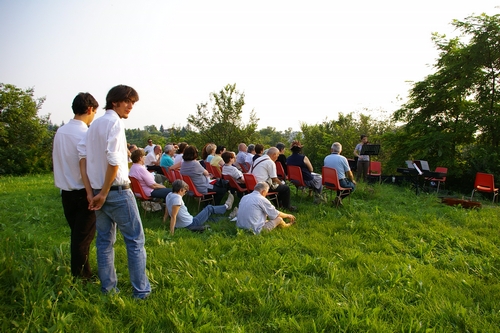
<point x="233" y="214"/>
<point x="229" y="201"/>
<point x="292" y="209"/>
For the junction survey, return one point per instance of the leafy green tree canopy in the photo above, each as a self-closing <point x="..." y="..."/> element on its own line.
<point x="221" y="123"/>
<point x="457" y="106"/>
<point x="25" y="138"/>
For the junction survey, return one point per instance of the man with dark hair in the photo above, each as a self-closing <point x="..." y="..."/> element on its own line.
<point x="149" y="147"/>
<point x="104" y="170"/>
<point x="67" y="177"/>
<point x="259" y="149"/>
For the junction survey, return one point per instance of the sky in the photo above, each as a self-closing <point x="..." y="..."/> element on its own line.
<point x="295" y="61"/>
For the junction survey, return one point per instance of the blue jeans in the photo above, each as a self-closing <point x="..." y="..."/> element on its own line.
<point x="347" y="184"/>
<point x="203" y="216"/>
<point x="161" y="193"/>
<point x="120" y="210"/>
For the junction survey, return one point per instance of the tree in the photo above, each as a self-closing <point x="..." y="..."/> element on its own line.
<point x="223" y="124"/>
<point x="25" y="138"/>
<point x="457" y="106"/>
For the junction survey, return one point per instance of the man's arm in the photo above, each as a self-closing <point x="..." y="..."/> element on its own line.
<point x="350" y="176"/>
<point x="173" y="218"/>
<point x="100" y="198"/>
<point x="86" y="181"/>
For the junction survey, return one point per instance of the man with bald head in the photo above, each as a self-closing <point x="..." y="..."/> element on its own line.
<point x="264" y="170"/>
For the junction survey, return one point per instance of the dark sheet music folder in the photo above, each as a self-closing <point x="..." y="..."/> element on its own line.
<point x="370" y="149"/>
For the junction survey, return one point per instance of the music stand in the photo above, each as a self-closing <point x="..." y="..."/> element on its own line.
<point x="370" y="149"/>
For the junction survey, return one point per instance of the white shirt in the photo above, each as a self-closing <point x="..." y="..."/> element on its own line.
<point x="149" y="148"/>
<point x="253" y="211"/>
<point x="264" y="168"/>
<point x="105" y="143"/>
<point x="67" y="175"/>
<point x="232" y="171"/>
<point x="249" y="159"/>
<point x="151" y="158"/>
<point x="178" y="158"/>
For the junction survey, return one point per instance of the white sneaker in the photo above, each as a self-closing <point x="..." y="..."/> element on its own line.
<point x="233" y="214"/>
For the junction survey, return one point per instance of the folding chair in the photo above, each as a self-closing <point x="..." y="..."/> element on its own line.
<point x="200" y="197"/>
<point x="296" y="178"/>
<point x="331" y="182"/>
<point x="139" y="193"/>
<point x="376" y="170"/>
<point x="251" y="181"/>
<point x="438" y="180"/>
<point x="234" y="184"/>
<point x="280" y="171"/>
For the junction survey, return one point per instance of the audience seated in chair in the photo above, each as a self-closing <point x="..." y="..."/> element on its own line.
<point x="311" y="179"/>
<point x="146" y="178"/>
<point x="200" y="176"/>
<point x="264" y="170"/>
<point x="344" y="173"/>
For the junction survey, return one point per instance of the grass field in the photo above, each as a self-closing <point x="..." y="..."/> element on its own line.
<point x="388" y="261"/>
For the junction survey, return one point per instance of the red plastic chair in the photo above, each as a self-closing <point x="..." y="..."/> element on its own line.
<point x="485" y="182"/>
<point x="210" y="168"/>
<point x="200" y="197"/>
<point x="438" y="180"/>
<point x="296" y="178"/>
<point x="139" y="192"/>
<point x="177" y="174"/>
<point x="168" y="174"/>
<point x="251" y="181"/>
<point x="216" y="172"/>
<point x="280" y="172"/>
<point x="330" y="181"/>
<point x="376" y="170"/>
<point x="234" y="184"/>
<point x="244" y="167"/>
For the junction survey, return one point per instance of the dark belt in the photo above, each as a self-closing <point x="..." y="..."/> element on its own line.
<point x="119" y="187"/>
<point x="115" y="188"/>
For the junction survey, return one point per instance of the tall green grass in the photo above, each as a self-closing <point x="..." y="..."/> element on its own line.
<point x="388" y="261"/>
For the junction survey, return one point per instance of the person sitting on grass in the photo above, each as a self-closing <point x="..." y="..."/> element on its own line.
<point x="179" y="215"/>
<point x="257" y="213"/>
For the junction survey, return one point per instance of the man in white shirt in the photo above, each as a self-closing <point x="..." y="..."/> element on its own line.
<point x="104" y="167"/>
<point x="257" y="213"/>
<point x="264" y="170"/>
<point x="152" y="161"/>
<point x="149" y="148"/>
<point x="67" y="177"/>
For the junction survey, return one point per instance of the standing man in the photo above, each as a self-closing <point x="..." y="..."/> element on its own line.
<point x="363" y="160"/>
<point x="344" y="173"/>
<point x="67" y="177"/>
<point x="150" y="146"/>
<point x="103" y="156"/>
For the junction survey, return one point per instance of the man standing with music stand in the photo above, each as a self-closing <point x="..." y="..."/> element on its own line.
<point x="363" y="163"/>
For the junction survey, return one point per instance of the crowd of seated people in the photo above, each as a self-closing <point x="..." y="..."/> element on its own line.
<point x="261" y="163"/>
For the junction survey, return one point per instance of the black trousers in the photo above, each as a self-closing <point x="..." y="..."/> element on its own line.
<point x="283" y="195"/>
<point x="81" y="220"/>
